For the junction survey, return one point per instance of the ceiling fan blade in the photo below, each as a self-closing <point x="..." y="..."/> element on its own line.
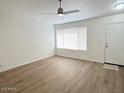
<point x="48" y="13"/>
<point x="72" y="11"/>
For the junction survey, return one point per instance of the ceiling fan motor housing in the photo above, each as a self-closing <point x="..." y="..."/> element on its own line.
<point x="60" y="11"/>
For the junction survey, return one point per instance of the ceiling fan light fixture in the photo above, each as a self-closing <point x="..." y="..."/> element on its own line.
<point x="60" y="12"/>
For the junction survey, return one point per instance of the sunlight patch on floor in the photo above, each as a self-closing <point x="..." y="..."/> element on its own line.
<point x="112" y="67"/>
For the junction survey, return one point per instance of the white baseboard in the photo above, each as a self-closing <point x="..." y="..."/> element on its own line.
<point x="85" y="59"/>
<point x="3" y="69"/>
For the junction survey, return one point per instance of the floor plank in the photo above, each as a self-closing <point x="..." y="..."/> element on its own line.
<point x="62" y="75"/>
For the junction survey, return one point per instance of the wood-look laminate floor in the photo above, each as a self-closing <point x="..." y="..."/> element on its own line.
<point x="62" y="75"/>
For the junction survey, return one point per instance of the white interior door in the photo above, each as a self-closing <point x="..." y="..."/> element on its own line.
<point x="115" y="44"/>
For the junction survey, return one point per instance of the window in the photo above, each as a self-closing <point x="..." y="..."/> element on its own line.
<point x="72" y="38"/>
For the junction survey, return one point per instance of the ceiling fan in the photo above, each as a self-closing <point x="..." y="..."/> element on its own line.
<point x="61" y="12"/>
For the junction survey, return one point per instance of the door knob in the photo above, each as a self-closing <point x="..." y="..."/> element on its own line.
<point x="106" y="45"/>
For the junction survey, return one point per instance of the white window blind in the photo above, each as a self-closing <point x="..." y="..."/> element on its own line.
<point x="72" y="38"/>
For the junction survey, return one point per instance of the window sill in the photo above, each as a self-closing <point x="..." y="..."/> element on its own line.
<point x="70" y="49"/>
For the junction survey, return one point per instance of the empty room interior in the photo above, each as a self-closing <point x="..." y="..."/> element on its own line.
<point x="61" y="46"/>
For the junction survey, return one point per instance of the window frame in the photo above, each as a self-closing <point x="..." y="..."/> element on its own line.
<point x="78" y="39"/>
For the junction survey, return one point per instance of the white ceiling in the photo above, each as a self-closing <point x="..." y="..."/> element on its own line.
<point x="88" y="8"/>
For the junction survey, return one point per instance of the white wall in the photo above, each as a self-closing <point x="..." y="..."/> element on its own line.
<point x="24" y="36"/>
<point x="96" y="38"/>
